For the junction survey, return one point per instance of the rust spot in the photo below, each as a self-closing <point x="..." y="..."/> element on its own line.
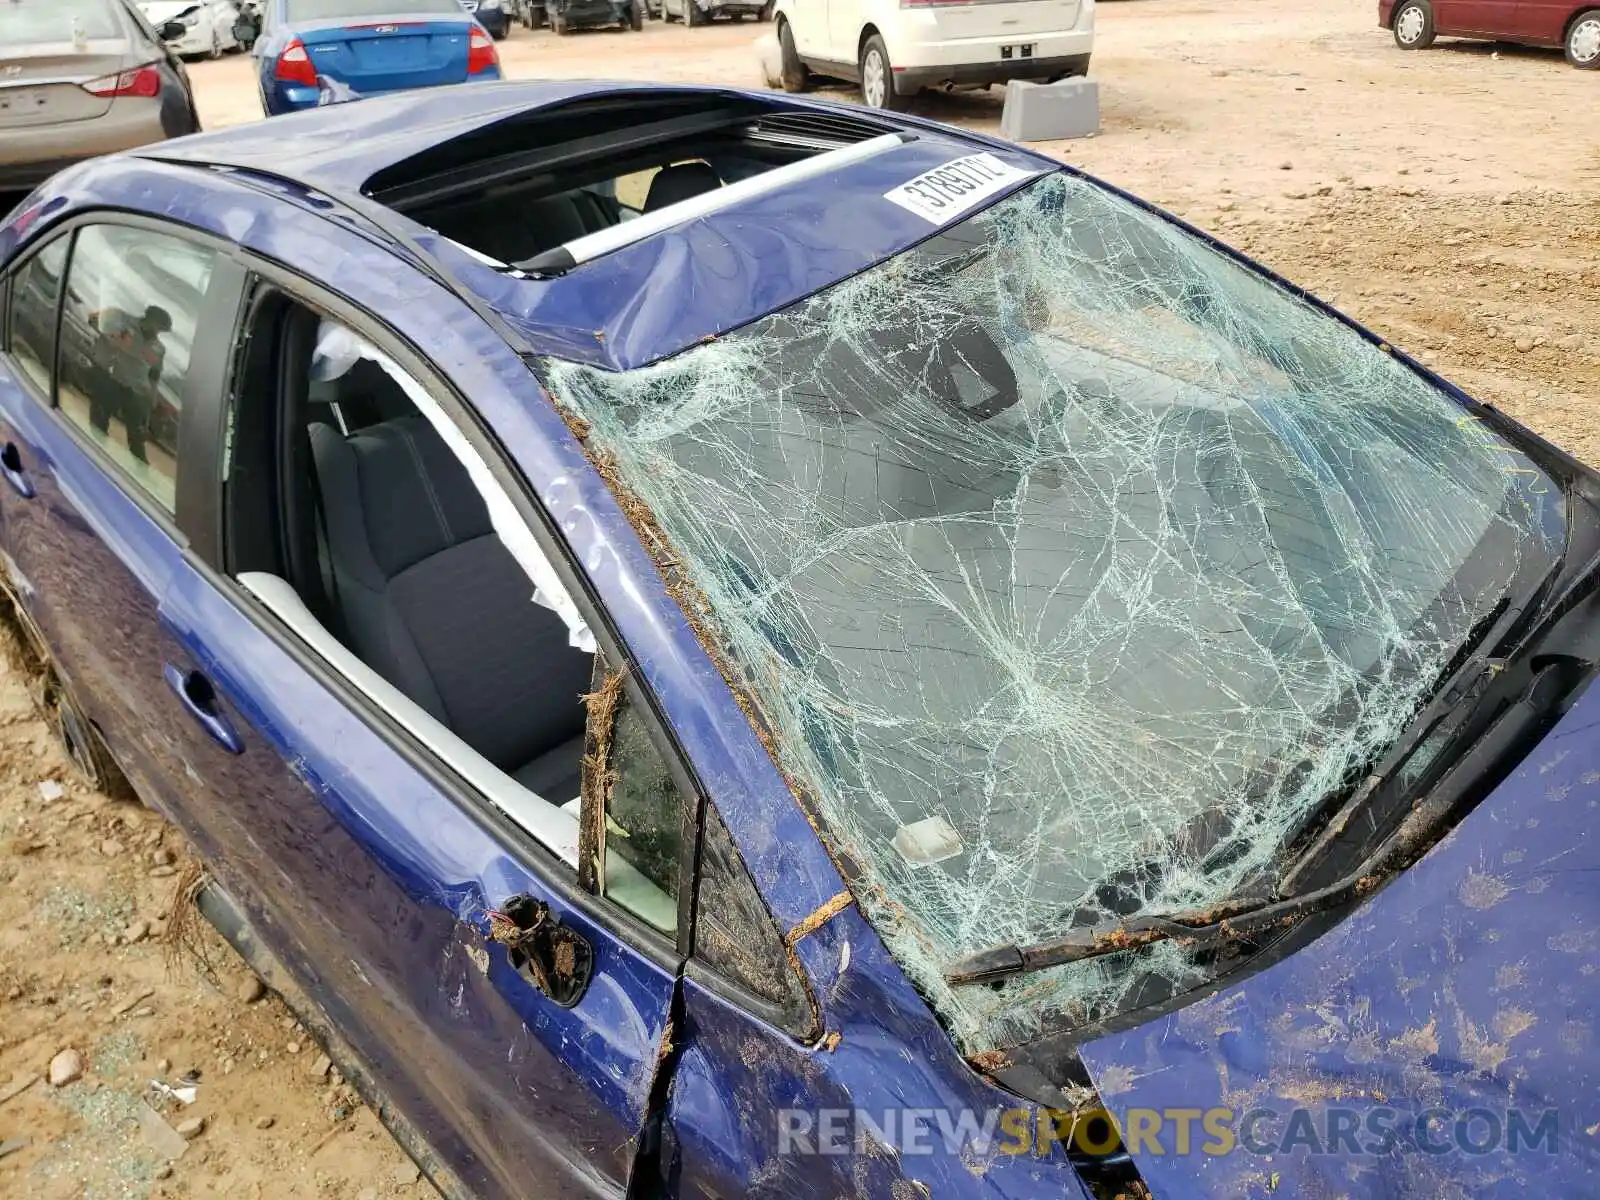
<point x="824" y="913"/>
<point x="565" y="960"/>
<point x="666" y="1044"/>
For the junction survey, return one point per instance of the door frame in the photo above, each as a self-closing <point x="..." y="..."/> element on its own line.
<point x="669" y="953"/>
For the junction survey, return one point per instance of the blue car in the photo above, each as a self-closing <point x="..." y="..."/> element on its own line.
<point x="718" y="644"/>
<point x="370" y="47"/>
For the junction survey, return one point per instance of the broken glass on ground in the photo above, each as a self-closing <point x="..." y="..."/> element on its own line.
<point x="1065" y="533"/>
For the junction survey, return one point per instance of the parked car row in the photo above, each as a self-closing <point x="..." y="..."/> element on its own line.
<point x="208" y="27"/>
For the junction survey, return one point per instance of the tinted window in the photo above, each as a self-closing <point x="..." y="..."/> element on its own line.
<point x="127" y="328"/>
<point x="34" y="292"/>
<point x="56" y="20"/>
<point x="644" y="824"/>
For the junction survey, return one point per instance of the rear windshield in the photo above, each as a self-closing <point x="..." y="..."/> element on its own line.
<point x="1073" y="566"/>
<point x="25" y="21"/>
<point x="338" y="10"/>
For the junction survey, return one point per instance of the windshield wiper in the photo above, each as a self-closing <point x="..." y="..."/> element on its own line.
<point x="1202" y="928"/>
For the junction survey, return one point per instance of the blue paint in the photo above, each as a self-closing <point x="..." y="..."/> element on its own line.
<point x="379" y="65"/>
<point x="371" y="882"/>
<point x="1467" y="983"/>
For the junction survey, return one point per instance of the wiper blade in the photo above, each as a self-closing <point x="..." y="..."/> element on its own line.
<point x="1203" y="928"/>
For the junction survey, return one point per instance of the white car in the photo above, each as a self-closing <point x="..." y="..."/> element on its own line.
<point x="210" y="25"/>
<point x="895" y="48"/>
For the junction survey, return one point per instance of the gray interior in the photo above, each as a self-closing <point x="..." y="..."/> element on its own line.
<point x="427" y="594"/>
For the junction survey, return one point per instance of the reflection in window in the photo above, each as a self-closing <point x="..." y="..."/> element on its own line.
<point x="127" y="329"/>
<point x="34" y="292"/>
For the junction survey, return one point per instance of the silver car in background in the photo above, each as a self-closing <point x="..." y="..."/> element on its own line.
<point x="79" y="78"/>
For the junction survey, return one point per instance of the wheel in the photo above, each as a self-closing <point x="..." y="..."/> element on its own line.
<point x="636" y="16"/>
<point x="877" y="77"/>
<point x="692" y="14"/>
<point x="80" y="741"/>
<point x="1583" y="41"/>
<point x="501" y="36"/>
<point x="766" y="10"/>
<point x="794" y="71"/>
<point x="1413" y="25"/>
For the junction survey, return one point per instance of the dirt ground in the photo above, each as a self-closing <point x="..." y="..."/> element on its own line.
<point x="1449" y="199"/>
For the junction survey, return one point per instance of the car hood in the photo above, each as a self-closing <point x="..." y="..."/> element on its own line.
<point x="1467" y="984"/>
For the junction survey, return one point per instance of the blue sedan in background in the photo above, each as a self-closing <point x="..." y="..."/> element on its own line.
<point x="369" y="47"/>
<point x="715" y="644"/>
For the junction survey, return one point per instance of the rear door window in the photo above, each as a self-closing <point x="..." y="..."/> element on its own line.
<point x="35" y="293"/>
<point x="128" y="323"/>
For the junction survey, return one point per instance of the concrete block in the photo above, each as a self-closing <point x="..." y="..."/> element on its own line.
<point x="1042" y="112"/>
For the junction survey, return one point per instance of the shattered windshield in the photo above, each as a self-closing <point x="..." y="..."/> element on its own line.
<point x="1072" y="566"/>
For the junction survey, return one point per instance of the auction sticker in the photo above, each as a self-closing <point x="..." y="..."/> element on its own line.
<point x="950" y="190"/>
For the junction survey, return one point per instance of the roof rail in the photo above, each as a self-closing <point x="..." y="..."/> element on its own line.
<point x="592" y="245"/>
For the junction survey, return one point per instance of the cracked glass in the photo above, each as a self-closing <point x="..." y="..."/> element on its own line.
<point x="1073" y="566"/>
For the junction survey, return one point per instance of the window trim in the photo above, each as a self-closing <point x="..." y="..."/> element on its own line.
<point x="210" y="415"/>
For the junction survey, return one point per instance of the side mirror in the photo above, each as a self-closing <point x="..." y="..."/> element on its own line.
<point x="172" y="31"/>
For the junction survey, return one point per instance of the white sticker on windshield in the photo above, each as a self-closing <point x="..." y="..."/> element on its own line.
<point x="952" y="189"/>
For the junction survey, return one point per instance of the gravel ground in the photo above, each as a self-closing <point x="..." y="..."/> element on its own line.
<point x="1450" y="200"/>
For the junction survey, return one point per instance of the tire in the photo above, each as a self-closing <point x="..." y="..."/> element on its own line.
<point x="1583" y="41"/>
<point x="636" y="16"/>
<point x="766" y="10"/>
<point x="1413" y="25"/>
<point x="795" y="75"/>
<point x="80" y="742"/>
<point x="692" y="15"/>
<point x="877" y="77"/>
<point x="558" y="23"/>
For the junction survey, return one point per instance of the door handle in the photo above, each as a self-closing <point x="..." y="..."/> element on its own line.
<point x="11" y="468"/>
<point x="556" y="958"/>
<point x="200" y="698"/>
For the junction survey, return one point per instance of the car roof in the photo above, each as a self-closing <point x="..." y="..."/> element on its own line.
<point x="627" y="309"/>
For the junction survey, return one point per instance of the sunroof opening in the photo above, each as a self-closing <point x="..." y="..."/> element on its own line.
<point x="524" y="187"/>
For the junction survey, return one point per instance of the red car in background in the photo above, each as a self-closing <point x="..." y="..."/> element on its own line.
<point x="1573" y="25"/>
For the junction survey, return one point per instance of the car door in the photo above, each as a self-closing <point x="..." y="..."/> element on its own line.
<point x="1543" y="21"/>
<point x="845" y="20"/>
<point x="808" y="22"/>
<point x="94" y="428"/>
<point x="372" y="871"/>
<point x="1481" y="17"/>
